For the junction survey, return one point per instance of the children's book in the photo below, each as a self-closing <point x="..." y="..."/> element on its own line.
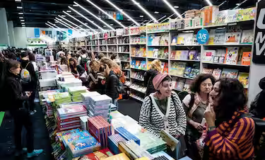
<point x="233" y="35"/>
<point x="173" y="54"/>
<point x="207" y="71"/>
<point x="231" y="56"/>
<point x="217" y="73"/>
<point x="185" y="39"/>
<point x="229" y="73"/>
<point x="247" y="37"/>
<point x="194" y="72"/>
<point x="178" y="55"/>
<point x="243" y="77"/>
<point x="184" y="55"/>
<point x="174" y="40"/>
<point x="137" y="65"/>
<point x="221" y="17"/>
<point x="246" y="58"/>
<point x="187" y="72"/>
<point x="219" y="36"/>
<point x="208" y="56"/>
<point x="211" y="37"/>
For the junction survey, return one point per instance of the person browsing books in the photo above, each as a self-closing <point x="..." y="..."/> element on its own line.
<point x="195" y="105"/>
<point x="163" y="110"/>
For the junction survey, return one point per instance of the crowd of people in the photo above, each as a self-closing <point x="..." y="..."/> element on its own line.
<point x="212" y="119"/>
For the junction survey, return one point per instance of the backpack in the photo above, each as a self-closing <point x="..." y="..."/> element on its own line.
<point x="25" y="75"/>
<point x="120" y="87"/>
<point x="83" y="61"/>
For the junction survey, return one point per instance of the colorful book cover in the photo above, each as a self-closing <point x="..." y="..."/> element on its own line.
<point x="71" y="110"/>
<point x="229" y="73"/>
<point x="231" y="56"/>
<point x="194" y="72"/>
<point x="208" y="56"/>
<point x="174" y="40"/>
<point x="133" y="64"/>
<point x="137" y="65"/>
<point x="184" y="55"/>
<point x="217" y="73"/>
<point x="187" y="72"/>
<point x="173" y="54"/>
<point x="165" y="68"/>
<point x="221" y="17"/>
<point x="178" y="55"/>
<point x="232" y="15"/>
<point x="243" y="77"/>
<point x="246" y="58"/>
<point x="207" y="71"/>
<point x="219" y="36"/>
<point x="247" y="37"/>
<point x="101" y="154"/>
<point x="211" y="37"/>
<point x="194" y="55"/>
<point x="233" y="35"/>
<point x="143" y="64"/>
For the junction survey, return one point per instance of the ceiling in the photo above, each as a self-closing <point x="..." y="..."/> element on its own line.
<point x="37" y="12"/>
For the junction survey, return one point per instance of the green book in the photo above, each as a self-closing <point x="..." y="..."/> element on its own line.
<point x="2" y="114"/>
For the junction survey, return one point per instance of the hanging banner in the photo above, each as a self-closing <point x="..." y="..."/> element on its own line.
<point x="36" y="32"/>
<point x="259" y="35"/>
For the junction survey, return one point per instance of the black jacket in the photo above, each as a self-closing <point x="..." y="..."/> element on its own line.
<point x="14" y="97"/>
<point x="112" y="83"/>
<point x="33" y="84"/>
<point x="148" y="81"/>
<point x="257" y="107"/>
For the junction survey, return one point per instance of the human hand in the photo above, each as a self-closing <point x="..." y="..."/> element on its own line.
<point x="197" y="126"/>
<point x="210" y="116"/>
<point x="28" y="94"/>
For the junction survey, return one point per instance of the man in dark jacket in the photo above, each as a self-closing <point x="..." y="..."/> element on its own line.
<point x="112" y="83"/>
<point x="32" y="85"/>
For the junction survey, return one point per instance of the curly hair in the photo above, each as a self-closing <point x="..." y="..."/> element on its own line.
<point x="156" y="65"/>
<point x="231" y="98"/>
<point x="196" y="83"/>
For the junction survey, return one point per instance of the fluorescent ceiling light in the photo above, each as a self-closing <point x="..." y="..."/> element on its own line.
<point x="144" y="10"/>
<point x="68" y="11"/>
<point x="106" y="13"/>
<point x="162" y="18"/>
<point x="21" y="17"/>
<point x="176" y="6"/>
<point x="239" y="4"/>
<point x="209" y="2"/>
<point x="72" y="23"/>
<point x="86" y="18"/>
<point x="113" y="5"/>
<point x="75" y="5"/>
<point x="23" y="23"/>
<point x="79" y="21"/>
<point x="17" y="0"/>
<point x="19" y="7"/>
<point x="64" y="23"/>
<point x="111" y="24"/>
<point x="94" y="16"/>
<point x="172" y="8"/>
<point x="156" y="12"/>
<point x="222" y="3"/>
<point x="22" y="20"/>
<point x="20" y="13"/>
<point x="141" y="16"/>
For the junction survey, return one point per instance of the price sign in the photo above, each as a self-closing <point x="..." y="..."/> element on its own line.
<point x="106" y="36"/>
<point x="203" y="36"/>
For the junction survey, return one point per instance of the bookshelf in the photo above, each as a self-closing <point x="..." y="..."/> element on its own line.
<point x="174" y="44"/>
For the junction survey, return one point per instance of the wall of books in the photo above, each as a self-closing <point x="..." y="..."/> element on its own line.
<point x="174" y="43"/>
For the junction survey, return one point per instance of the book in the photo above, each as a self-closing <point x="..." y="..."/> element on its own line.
<point x="173" y="54"/>
<point x="178" y="55"/>
<point x="184" y="55"/>
<point x="232" y="15"/>
<point x="194" y="55"/>
<point x="233" y="35"/>
<point x="247" y="37"/>
<point x="187" y="85"/>
<point x="208" y="56"/>
<point x="243" y="77"/>
<point x="187" y="72"/>
<point x="221" y="17"/>
<point x="219" y="36"/>
<point x="231" y="56"/>
<point x="101" y="154"/>
<point x="217" y="73"/>
<point x="229" y="73"/>
<point x="174" y="40"/>
<point x="194" y="72"/>
<point x="207" y="71"/>
<point x="246" y="58"/>
<point x="211" y="37"/>
<point x="185" y="39"/>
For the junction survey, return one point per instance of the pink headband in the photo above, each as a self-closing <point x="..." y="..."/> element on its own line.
<point x="158" y="79"/>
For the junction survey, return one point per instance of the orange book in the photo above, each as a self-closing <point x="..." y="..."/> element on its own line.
<point x="246" y="58"/>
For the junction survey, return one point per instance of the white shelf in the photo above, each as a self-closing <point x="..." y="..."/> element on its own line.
<point x="225" y="45"/>
<point x="138" y="44"/>
<point x="222" y="64"/>
<point x="185" y="60"/>
<point x="111" y="44"/>
<point x="125" y="52"/>
<point x="138" y="34"/>
<point x="180" y="76"/>
<point x="125" y="44"/>
<point x="157" y="58"/>
<point x="158" y="46"/>
<point x="189" y="45"/>
<point x="190" y="28"/>
<point x="137" y="98"/>
<point x="137" y="79"/>
<point x="138" y="57"/>
<point x="137" y="90"/>
<point x="158" y="32"/>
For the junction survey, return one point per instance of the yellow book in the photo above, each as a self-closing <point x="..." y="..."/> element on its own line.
<point x="178" y="54"/>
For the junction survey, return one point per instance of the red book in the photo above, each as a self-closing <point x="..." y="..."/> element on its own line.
<point x="104" y="153"/>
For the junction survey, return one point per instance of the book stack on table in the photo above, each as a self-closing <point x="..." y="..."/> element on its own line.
<point x="100" y="129"/>
<point x="100" y="106"/>
<point x="68" y="117"/>
<point x="113" y="141"/>
<point x="86" y="97"/>
<point x="76" y="92"/>
<point x="61" y="98"/>
<point x="127" y="135"/>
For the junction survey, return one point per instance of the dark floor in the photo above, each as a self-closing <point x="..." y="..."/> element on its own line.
<point x="41" y="138"/>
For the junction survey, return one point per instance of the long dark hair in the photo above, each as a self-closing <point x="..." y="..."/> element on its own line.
<point x="231" y="98"/>
<point x="73" y="60"/>
<point x="195" y="86"/>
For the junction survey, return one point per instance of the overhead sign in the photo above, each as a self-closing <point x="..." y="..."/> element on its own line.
<point x="36" y="32"/>
<point x="259" y="35"/>
<point x="203" y="36"/>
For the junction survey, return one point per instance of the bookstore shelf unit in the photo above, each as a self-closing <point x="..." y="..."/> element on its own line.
<point x="227" y="54"/>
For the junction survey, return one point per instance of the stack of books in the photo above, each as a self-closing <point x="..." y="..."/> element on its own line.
<point x="121" y="156"/>
<point x="113" y="143"/>
<point x="79" y="144"/>
<point x="101" y="129"/>
<point x="101" y="154"/>
<point x="68" y="117"/>
<point x="75" y="92"/>
<point x="61" y="98"/>
<point x="100" y="106"/>
<point x="127" y="135"/>
<point x="86" y="97"/>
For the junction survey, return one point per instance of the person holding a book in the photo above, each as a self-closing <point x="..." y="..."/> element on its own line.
<point x="195" y="105"/>
<point x="163" y="110"/>
<point x="150" y="74"/>
<point x="15" y="98"/>
<point x="230" y="130"/>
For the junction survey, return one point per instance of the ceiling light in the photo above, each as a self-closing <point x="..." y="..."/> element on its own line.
<point x="86" y="18"/>
<point x="75" y="5"/>
<point x="106" y="13"/>
<point x="19" y="7"/>
<point x="64" y="23"/>
<point x="17" y="0"/>
<point x="113" y="5"/>
<point x="111" y="24"/>
<point x="23" y="23"/>
<point x="172" y="8"/>
<point x="20" y="13"/>
<point x="176" y="7"/>
<point x="141" y="16"/>
<point x="22" y="20"/>
<point x="21" y="17"/>
<point x="68" y="11"/>
<point x="162" y="18"/>
<point x="145" y="11"/>
<point x="209" y="2"/>
<point x="79" y="21"/>
<point x="94" y="16"/>
<point x="72" y="23"/>
<point x="156" y="12"/>
<point x="238" y="4"/>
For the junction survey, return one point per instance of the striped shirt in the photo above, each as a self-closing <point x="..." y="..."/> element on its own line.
<point x="232" y="143"/>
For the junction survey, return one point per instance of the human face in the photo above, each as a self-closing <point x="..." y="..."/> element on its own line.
<point x="15" y="70"/>
<point x="72" y="63"/>
<point x="206" y="86"/>
<point x="165" y="88"/>
<point x="215" y="94"/>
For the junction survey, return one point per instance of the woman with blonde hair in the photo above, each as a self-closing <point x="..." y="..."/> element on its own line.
<point x="155" y="69"/>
